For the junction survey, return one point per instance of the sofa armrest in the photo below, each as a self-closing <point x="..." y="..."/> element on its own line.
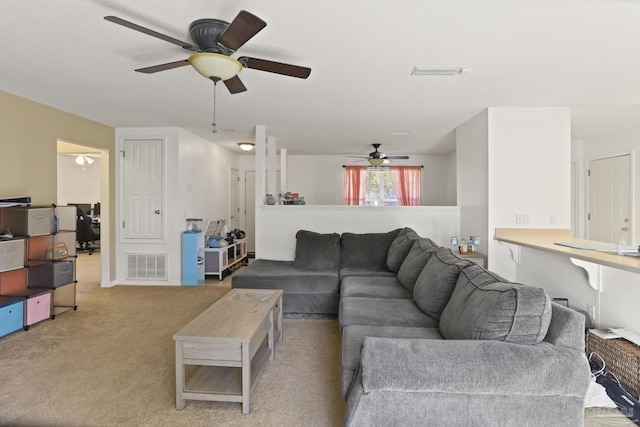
<point x="472" y="366"/>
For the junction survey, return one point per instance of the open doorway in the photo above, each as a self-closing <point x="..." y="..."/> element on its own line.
<point x="80" y="183"/>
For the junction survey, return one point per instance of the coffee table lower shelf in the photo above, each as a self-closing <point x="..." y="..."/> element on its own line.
<point x="224" y="383"/>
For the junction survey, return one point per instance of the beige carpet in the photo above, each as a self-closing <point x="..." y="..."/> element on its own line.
<point x="111" y="363"/>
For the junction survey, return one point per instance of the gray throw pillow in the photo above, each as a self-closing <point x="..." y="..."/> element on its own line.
<point x="437" y="281"/>
<point x="399" y="248"/>
<point x="366" y="250"/>
<point x="315" y="251"/>
<point x="485" y="307"/>
<point x="415" y="261"/>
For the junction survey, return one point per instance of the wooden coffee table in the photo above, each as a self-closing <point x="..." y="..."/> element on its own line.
<point x="230" y="342"/>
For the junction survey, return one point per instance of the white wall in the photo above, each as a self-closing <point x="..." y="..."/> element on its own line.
<point x="529" y="173"/>
<point x="78" y="184"/>
<point x="320" y="178"/>
<point x="276" y="226"/>
<point x="472" y="147"/>
<point x="513" y="161"/>
<point x="196" y="185"/>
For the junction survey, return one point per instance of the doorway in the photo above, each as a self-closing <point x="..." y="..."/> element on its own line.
<point x="82" y="179"/>
<point x="609" y="213"/>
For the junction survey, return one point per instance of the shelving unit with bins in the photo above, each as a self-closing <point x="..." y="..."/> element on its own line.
<point x="45" y="283"/>
<point x="217" y="260"/>
<point x="192" y="258"/>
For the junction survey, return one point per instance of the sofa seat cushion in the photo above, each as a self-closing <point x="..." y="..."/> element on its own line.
<point x="366" y="250"/>
<point x="437" y="281"/>
<point x="373" y="287"/>
<point x="383" y="312"/>
<point x="484" y="306"/>
<point x="272" y="274"/>
<point x="400" y="247"/>
<point x="315" y="251"/>
<point x="416" y="259"/>
<point x="353" y="336"/>
<point x="361" y="272"/>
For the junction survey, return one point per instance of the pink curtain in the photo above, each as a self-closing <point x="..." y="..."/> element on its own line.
<point x="406" y="184"/>
<point x="355" y="179"/>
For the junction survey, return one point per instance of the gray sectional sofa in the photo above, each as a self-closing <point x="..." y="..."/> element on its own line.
<point x="431" y="339"/>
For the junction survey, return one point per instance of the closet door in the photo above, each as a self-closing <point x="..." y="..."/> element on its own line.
<point x="143" y="192"/>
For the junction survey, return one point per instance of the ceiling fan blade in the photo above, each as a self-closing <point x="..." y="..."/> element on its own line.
<point x="163" y="67"/>
<point x="396" y="157"/>
<point x="242" y="28"/>
<point x="152" y="33"/>
<point x="235" y="85"/>
<point x="275" y="67"/>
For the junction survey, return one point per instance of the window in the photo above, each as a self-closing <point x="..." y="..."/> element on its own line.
<point x="379" y="188"/>
<point x="392" y="186"/>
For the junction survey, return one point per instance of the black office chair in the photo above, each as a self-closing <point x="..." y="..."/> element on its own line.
<point x="85" y="236"/>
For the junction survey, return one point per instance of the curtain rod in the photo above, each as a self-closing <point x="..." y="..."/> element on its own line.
<point x="422" y="166"/>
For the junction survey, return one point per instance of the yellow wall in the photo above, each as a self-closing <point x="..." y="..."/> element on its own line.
<point x="29" y="133"/>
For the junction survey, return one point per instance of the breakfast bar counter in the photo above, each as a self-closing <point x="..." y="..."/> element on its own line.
<point x="547" y="240"/>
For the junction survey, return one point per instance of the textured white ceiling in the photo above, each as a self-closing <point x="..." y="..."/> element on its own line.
<point x="581" y="54"/>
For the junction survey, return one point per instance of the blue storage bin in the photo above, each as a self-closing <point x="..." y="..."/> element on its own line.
<point x="11" y="317"/>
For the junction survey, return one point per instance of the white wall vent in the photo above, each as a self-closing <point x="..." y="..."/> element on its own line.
<point x="147" y="266"/>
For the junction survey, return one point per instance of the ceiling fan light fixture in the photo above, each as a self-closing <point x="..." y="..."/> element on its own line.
<point x="215" y="65"/>
<point x="80" y="160"/>
<point x="376" y="161"/>
<point x="246" y="146"/>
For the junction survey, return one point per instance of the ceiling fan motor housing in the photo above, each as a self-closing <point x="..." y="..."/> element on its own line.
<point x="206" y="33"/>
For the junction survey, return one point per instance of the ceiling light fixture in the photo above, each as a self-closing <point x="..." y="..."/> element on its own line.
<point x="215" y="66"/>
<point x="246" y="146"/>
<point x="437" y="71"/>
<point x="82" y="159"/>
<point x="376" y="161"/>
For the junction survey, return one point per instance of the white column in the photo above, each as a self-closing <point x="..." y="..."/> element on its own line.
<point x="283" y="169"/>
<point x="261" y="141"/>
<point x="271" y="164"/>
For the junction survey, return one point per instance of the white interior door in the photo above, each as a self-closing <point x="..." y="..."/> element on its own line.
<point x="609" y="199"/>
<point x="142" y="175"/>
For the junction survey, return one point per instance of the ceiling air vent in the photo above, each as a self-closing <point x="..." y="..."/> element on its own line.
<point x="437" y="71"/>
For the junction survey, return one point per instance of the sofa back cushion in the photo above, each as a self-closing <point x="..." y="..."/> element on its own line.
<point x="399" y="248"/>
<point x="366" y="250"/>
<point x="315" y="251"/>
<point x="437" y="281"/>
<point x="484" y="306"/>
<point x="414" y="262"/>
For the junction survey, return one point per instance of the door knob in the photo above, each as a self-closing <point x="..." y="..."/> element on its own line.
<point x="625" y="229"/>
<point x="157" y="211"/>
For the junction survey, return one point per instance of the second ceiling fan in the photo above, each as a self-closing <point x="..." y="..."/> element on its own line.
<point x="376" y="158"/>
<point x="215" y="41"/>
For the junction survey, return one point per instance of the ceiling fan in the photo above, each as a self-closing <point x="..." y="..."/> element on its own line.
<point x="376" y="158"/>
<point x="215" y="41"/>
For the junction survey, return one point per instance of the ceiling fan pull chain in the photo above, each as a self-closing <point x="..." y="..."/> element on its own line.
<point x="214" y="108"/>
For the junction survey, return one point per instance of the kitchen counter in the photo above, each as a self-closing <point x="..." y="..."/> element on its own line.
<point x="545" y="240"/>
